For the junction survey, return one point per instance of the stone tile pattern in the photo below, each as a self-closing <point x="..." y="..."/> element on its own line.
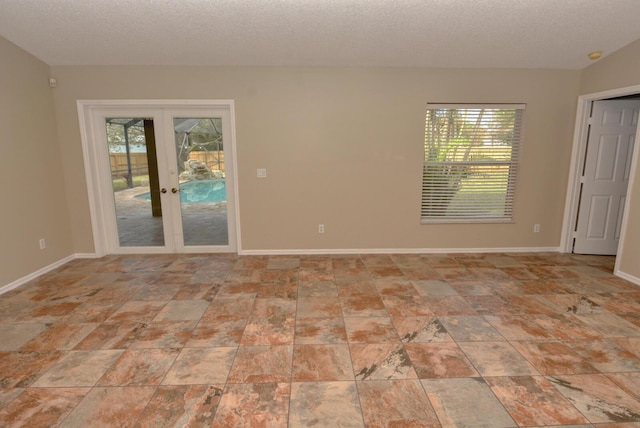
<point x="385" y="340"/>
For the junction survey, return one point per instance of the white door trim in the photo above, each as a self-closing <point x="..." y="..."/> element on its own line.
<point x="92" y="159"/>
<point x="577" y="158"/>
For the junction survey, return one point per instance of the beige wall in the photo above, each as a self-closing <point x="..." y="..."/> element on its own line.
<point x="343" y="147"/>
<point x="33" y="203"/>
<point x="619" y="70"/>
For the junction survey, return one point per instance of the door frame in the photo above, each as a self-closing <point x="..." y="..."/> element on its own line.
<point x="578" y="154"/>
<point x="93" y="160"/>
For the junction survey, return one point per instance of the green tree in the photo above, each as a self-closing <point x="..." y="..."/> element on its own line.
<point x="205" y="135"/>
<point x="456" y="140"/>
<point x="115" y="133"/>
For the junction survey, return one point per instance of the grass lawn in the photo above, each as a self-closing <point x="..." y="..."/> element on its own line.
<point x="121" y="184"/>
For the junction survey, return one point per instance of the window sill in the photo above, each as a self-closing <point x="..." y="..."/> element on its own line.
<point x="468" y="221"/>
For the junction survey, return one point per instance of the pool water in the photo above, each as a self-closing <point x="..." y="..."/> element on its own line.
<point x="199" y="191"/>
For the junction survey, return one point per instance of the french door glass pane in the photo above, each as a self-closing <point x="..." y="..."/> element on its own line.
<point x="134" y="173"/>
<point x="203" y="198"/>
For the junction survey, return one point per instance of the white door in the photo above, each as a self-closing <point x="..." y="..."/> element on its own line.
<point x="202" y="174"/>
<point x="164" y="177"/>
<point x="605" y="176"/>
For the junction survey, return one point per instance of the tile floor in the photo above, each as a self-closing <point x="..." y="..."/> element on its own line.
<point x="495" y="340"/>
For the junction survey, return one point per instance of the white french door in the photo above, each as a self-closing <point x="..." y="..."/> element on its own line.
<point x="161" y="176"/>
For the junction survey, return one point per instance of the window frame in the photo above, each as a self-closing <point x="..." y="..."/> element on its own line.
<point x="431" y="188"/>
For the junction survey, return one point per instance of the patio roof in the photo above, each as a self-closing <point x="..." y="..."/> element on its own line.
<point x="181" y="125"/>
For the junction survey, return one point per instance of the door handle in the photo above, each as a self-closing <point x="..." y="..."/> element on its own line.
<point x="163" y="190"/>
<point x="174" y="190"/>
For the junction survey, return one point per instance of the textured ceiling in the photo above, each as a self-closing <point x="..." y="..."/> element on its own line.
<point x="413" y="33"/>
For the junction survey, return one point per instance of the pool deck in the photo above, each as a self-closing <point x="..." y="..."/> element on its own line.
<point x="204" y="223"/>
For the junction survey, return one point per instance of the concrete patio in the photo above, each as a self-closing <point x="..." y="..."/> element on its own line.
<point x="203" y="223"/>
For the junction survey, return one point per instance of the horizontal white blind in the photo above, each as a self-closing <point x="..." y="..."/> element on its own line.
<point x="470" y="163"/>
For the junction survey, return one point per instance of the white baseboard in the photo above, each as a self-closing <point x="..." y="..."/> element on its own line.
<point x="630" y="278"/>
<point x="85" y="256"/>
<point x="18" y="282"/>
<point x="400" y="251"/>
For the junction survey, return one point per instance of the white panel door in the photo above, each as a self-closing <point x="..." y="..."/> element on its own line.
<point x="606" y="176"/>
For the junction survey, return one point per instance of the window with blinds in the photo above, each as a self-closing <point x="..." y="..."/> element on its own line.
<point x="470" y="162"/>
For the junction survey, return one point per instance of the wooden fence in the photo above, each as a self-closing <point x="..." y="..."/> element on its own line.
<point x="119" y="167"/>
<point x="139" y="165"/>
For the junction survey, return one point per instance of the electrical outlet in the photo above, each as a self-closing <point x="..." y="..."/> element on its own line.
<point x="42" y="244"/>
<point x="536" y="228"/>
<point x="261" y="173"/>
<point x="321" y="228"/>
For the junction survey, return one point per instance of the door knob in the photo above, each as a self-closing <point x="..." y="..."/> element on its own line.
<point x="163" y="190"/>
<point x="174" y="190"/>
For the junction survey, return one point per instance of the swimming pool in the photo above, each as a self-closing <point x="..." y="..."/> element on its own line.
<point x="199" y="191"/>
